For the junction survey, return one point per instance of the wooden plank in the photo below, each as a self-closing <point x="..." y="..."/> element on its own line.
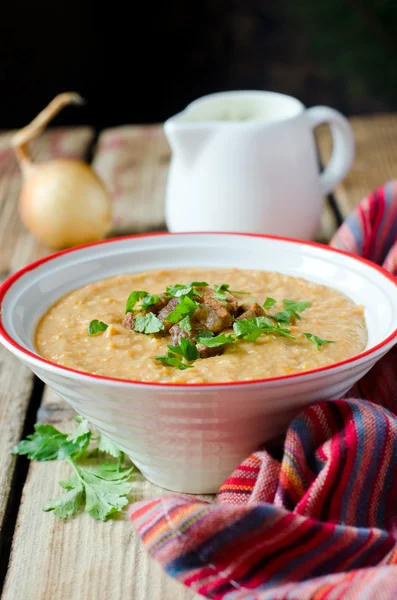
<point x="375" y="162"/>
<point x="17" y="248"/>
<point x="15" y="388"/>
<point x="60" y="559"/>
<point x="80" y="558"/>
<point x="133" y="162"/>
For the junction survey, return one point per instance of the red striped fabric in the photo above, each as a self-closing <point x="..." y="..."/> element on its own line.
<point x="319" y="523"/>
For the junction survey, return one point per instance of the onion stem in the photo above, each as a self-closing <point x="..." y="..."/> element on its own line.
<point x="22" y="138"/>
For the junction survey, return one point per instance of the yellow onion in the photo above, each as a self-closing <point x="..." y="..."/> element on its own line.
<point x="62" y="202"/>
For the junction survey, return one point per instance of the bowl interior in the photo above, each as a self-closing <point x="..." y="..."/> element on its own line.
<point x="29" y="296"/>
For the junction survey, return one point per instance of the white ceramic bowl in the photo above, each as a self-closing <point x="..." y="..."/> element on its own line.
<point x="189" y="438"/>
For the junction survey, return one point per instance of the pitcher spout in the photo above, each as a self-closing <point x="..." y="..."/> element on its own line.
<point x="187" y="139"/>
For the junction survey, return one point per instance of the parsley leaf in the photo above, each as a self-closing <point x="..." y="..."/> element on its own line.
<point x="296" y="307"/>
<point x="133" y="298"/>
<point x="213" y="342"/>
<point x="269" y="303"/>
<point x="317" y="341"/>
<point x="224" y="287"/>
<point x="48" y="443"/>
<point x="185" y="324"/>
<point x="220" y="291"/>
<point x="43" y="444"/>
<point x="185" y="308"/>
<point x="205" y="334"/>
<point x="173" y="361"/>
<point x="106" y="445"/>
<point x="248" y="329"/>
<point x="251" y="329"/>
<point x="150" y="300"/>
<point x="68" y="504"/>
<point x="104" y="487"/>
<point x="291" y="309"/>
<point x="285" y="316"/>
<point x="76" y="442"/>
<point x="96" y="326"/>
<point x="187" y="349"/>
<point x="148" y="324"/>
<point x="185" y="289"/>
<point x="179" y="289"/>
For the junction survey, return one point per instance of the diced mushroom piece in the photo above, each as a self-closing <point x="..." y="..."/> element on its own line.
<point x="176" y="333"/>
<point x="230" y="303"/>
<point x="212" y="315"/>
<point x="164" y="312"/>
<point x="206" y="352"/>
<point x="251" y="312"/>
<point x="128" y="321"/>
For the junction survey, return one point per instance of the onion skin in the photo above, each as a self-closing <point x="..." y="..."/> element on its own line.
<point x="64" y="203"/>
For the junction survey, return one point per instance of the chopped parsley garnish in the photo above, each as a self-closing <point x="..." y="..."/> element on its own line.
<point x="317" y="341"/>
<point x="185" y="289"/>
<point x="185" y="324"/>
<point x="133" y="298"/>
<point x="220" y="291"/>
<point x="296" y="307"/>
<point x="150" y="300"/>
<point x="291" y="309"/>
<point x="147" y="300"/>
<point x="148" y="324"/>
<point x="173" y="361"/>
<point x="97" y="327"/>
<point x="185" y="308"/>
<point x="285" y="316"/>
<point x="205" y="334"/>
<point x="269" y="302"/>
<point x="251" y="329"/>
<point x="186" y="295"/>
<point x="214" y="341"/>
<point x="186" y="349"/>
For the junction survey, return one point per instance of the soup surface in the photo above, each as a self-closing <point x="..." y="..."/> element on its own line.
<point x="62" y="334"/>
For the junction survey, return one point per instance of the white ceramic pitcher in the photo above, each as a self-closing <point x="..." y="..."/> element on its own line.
<point x="246" y="161"/>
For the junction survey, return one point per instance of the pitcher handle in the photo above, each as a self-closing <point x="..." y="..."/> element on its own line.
<point x="343" y="145"/>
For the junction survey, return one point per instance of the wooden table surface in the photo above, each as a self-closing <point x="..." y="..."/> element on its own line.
<point x="42" y="557"/>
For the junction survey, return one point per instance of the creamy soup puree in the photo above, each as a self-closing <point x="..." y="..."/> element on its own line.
<point x="62" y="334"/>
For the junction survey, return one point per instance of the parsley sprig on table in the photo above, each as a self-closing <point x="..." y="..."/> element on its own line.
<point x="99" y="483"/>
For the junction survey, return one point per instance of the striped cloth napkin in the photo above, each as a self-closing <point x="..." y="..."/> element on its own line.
<point x="321" y="522"/>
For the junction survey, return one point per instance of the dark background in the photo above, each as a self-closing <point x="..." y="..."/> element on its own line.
<point x="140" y="62"/>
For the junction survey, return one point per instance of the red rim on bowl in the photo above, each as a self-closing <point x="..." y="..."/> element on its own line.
<point x="7" y="284"/>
